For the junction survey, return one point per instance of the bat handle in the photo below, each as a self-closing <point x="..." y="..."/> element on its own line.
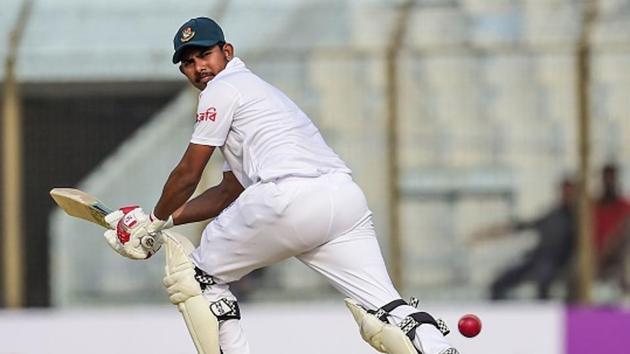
<point x="148" y="241"/>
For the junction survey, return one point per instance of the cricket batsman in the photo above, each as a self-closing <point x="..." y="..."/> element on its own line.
<point x="284" y="193"/>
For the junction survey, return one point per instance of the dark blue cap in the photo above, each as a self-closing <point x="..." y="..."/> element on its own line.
<point x="197" y="32"/>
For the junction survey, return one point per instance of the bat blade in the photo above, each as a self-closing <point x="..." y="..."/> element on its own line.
<point x="81" y="205"/>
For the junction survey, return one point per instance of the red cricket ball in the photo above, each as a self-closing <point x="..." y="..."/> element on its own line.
<point x="469" y="325"/>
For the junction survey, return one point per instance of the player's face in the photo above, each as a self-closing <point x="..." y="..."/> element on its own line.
<point x="200" y="65"/>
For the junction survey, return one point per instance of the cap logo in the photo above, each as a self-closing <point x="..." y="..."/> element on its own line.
<point x="187" y="34"/>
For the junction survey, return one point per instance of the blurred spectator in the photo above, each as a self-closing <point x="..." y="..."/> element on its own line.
<point x="611" y="228"/>
<point x="549" y="259"/>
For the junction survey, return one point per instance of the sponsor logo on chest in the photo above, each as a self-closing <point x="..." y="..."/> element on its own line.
<point x="209" y="114"/>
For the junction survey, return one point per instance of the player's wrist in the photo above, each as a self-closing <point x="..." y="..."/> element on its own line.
<point x="158" y="224"/>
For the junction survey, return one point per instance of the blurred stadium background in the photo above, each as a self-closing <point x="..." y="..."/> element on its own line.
<point x="453" y="114"/>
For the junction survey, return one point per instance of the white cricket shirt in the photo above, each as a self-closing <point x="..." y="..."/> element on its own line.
<point x="262" y="134"/>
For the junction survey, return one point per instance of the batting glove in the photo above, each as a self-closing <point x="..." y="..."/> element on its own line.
<point x="130" y="236"/>
<point x="156" y="225"/>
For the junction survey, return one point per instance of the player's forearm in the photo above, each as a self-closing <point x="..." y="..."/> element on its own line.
<point x="177" y="190"/>
<point x="205" y="206"/>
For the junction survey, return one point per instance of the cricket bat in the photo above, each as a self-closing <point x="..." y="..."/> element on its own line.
<point x="81" y="205"/>
<point x="201" y="322"/>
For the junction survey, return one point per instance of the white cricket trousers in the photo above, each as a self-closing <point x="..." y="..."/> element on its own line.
<point x="324" y="222"/>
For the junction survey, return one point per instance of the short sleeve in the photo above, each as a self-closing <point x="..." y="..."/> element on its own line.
<point x="215" y="113"/>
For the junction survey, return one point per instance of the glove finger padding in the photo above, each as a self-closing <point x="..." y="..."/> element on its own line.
<point x="111" y="237"/>
<point x="134" y="249"/>
<point x="114" y="217"/>
<point x="112" y="240"/>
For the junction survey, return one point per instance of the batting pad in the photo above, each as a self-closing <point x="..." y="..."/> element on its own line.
<point x="384" y="337"/>
<point x="201" y="322"/>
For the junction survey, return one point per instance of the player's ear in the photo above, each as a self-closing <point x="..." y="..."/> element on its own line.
<point x="181" y="69"/>
<point x="228" y="51"/>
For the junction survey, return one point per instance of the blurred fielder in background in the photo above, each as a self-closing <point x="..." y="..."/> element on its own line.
<point x="284" y="193"/>
<point x="550" y="259"/>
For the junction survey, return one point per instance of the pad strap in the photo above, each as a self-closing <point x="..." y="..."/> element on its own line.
<point x="226" y="309"/>
<point x="223" y="309"/>
<point x="409" y="324"/>
<point x="382" y="312"/>
<point x="203" y="278"/>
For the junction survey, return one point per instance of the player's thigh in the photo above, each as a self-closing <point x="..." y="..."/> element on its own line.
<point x="248" y="235"/>
<point x="323" y="208"/>
<point x="354" y="265"/>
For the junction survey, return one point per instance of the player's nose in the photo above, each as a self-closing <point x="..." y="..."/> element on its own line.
<point x="200" y="66"/>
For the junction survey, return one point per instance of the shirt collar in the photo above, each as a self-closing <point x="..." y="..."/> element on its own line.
<point x="232" y="66"/>
<point x="236" y="64"/>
